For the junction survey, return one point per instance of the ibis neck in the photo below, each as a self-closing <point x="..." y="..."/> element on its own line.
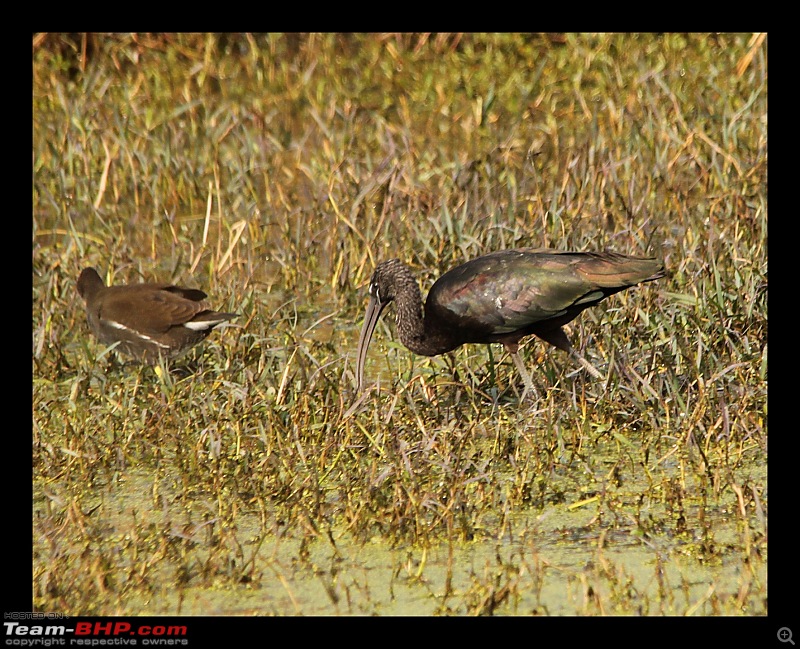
<point x="417" y="332"/>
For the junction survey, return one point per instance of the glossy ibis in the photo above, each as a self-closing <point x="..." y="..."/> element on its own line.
<point x="500" y="298"/>
<point x="147" y="320"/>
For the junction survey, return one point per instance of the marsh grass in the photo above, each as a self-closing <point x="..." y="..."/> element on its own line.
<point x="274" y="172"/>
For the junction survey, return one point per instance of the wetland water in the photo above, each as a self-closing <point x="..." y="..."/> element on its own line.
<point x="568" y="559"/>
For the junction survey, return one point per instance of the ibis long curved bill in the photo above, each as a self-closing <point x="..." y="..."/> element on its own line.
<point x="374" y="309"/>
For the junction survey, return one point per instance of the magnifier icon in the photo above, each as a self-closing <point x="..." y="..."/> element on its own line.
<point x="785" y="634"/>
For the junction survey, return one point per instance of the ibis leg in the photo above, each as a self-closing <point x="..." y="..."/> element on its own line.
<point x="586" y="365"/>
<point x="526" y="377"/>
<point x="558" y="338"/>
